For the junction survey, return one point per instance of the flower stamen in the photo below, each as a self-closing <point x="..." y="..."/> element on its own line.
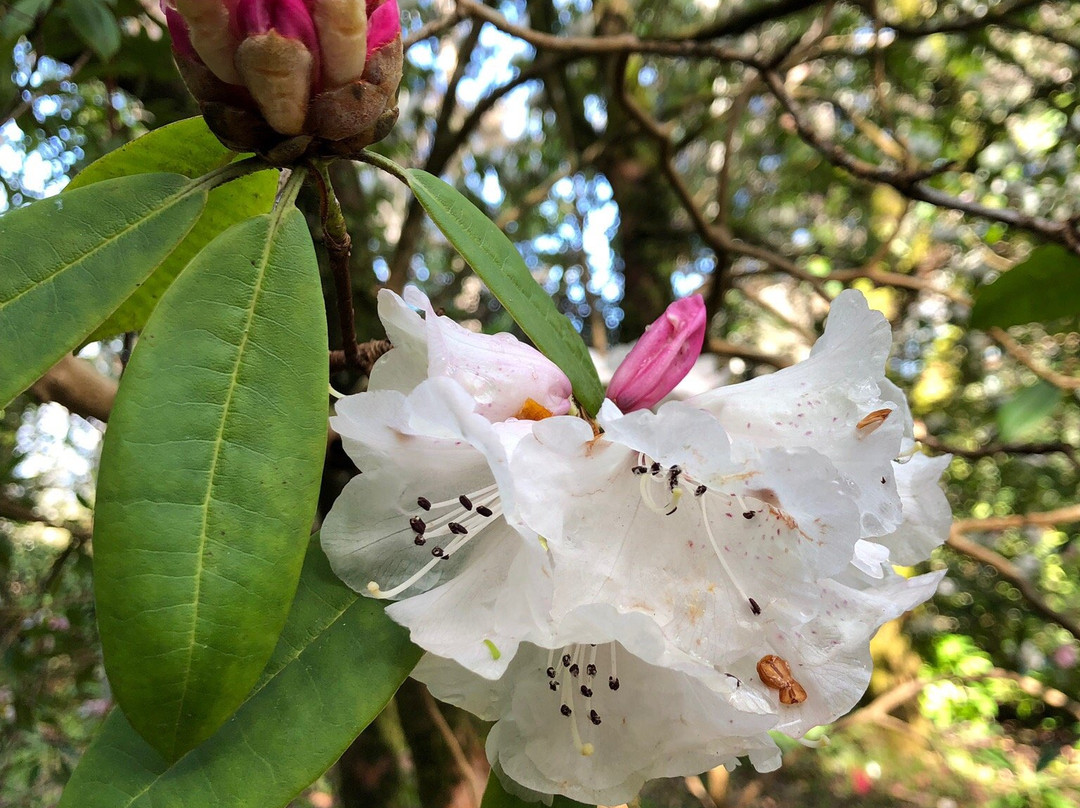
<point x="720" y="556"/>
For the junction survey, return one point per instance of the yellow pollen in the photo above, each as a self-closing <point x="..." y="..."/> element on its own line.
<point x="373" y="588"/>
<point x="587" y="750"/>
<point x="532" y="410"/>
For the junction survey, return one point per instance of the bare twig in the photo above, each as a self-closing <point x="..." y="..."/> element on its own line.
<point x="888" y="701"/>
<point x="620" y="43"/>
<point x="1007" y="569"/>
<point x="1024" y="357"/>
<point x="436" y="27"/>
<point x="75" y="384"/>
<point x="910" y="181"/>
<point x="722" y="347"/>
<point x="476" y="785"/>
<point x="367" y="353"/>
<point x="339" y="250"/>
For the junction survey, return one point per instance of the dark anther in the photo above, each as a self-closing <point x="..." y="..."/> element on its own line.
<point x="466" y="503"/>
<point x="673" y="477"/>
<point x="566" y="660"/>
<point x="594" y="717"/>
<point x="586" y="691"/>
<point x="613" y="683"/>
<point x="460" y="530"/>
<point x="419" y="541"/>
<point x="574" y="669"/>
<point x="565" y="709"/>
<point x="553" y="685"/>
<point x="672" y="511"/>
<point x="551" y="673"/>
<point x="700" y="490"/>
<point x="883" y="481"/>
<point x="654" y="468"/>
<point x="483" y="510"/>
<point x="639" y="470"/>
<point x="437" y="552"/>
<point x="417" y="524"/>
<point x="748" y="514"/>
<point x="738" y="681"/>
<point x="754" y="607"/>
<point x="424" y="503"/>
<point x="590" y="670"/>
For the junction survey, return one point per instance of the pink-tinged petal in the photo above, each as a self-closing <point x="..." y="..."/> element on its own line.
<point x="662" y="357"/>
<point x="178" y="31"/>
<point x="501" y="373"/>
<point x="384" y="25"/>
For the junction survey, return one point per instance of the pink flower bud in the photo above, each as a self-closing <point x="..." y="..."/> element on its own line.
<point x="662" y="357"/>
<point x="291" y="78"/>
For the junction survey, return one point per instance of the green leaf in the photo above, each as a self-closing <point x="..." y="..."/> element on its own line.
<point x="20" y="18"/>
<point x="337" y="664"/>
<point x="209" y="477"/>
<point x="1027" y="410"/>
<point x="186" y="147"/>
<point x="495" y="796"/>
<point x="494" y="258"/>
<point x="95" y="24"/>
<point x="69" y="261"/>
<point x="1043" y="287"/>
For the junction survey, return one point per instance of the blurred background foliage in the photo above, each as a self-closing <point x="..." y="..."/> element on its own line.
<point x="767" y="154"/>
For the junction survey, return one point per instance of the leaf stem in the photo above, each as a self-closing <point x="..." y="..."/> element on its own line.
<point x="339" y="249"/>
<point x="384" y="163"/>
<point x="230" y="172"/>
<point x="289" y="189"/>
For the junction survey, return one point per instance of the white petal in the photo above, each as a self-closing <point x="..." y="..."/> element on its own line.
<point x="406" y="365"/>
<point x="818" y="403"/>
<point x="478" y="618"/>
<point x="657" y="724"/>
<point x="608" y="547"/>
<point x="829" y="654"/>
<point x="499" y="371"/>
<point x="675" y="435"/>
<point x="927" y="515"/>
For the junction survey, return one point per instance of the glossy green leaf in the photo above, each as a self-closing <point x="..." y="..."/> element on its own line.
<point x="495" y="796"/>
<point x="209" y="477"/>
<point x="1027" y="410"/>
<point x="96" y="25"/>
<point x="338" y="662"/>
<point x="186" y="147"/>
<point x="493" y="257"/>
<point x="1043" y="287"/>
<point x="67" y="262"/>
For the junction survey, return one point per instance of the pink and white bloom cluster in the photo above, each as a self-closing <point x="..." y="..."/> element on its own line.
<point x="607" y="590"/>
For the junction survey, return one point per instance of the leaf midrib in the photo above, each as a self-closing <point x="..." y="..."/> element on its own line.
<point x="264" y="259"/>
<point x="80" y="259"/>
<point x="260" y="686"/>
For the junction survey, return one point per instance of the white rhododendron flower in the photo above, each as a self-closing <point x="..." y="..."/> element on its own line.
<point x="661" y="588"/>
<point x="429" y="522"/>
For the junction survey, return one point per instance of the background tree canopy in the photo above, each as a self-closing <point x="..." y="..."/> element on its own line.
<point x="768" y="154"/>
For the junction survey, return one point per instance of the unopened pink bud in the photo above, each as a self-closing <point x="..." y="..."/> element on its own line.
<point x="662" y="357"/>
